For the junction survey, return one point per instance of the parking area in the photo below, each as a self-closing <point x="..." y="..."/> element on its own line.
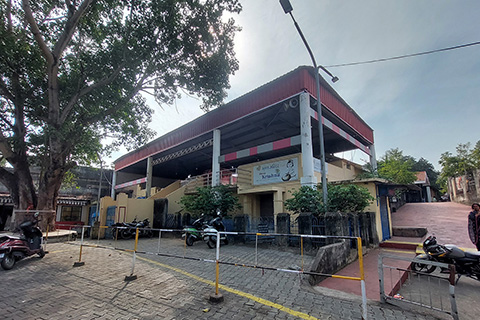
<point x="170" y="288"/>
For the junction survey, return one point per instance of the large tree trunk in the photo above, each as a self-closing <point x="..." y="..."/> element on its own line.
<point x="51" y="178"/>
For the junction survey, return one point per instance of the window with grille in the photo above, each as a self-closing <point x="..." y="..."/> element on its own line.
<point x="71" y="214"/>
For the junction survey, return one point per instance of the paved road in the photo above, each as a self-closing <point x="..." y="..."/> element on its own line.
<point x="170" y="288"/>
<point x="446" y="220"/>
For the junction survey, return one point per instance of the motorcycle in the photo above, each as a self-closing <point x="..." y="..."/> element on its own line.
<point x="210" y="232"/>
<point x="194" y="232"/>
<point x="466" y="263"/>
<point x="15" y="248"/>
<point x="128" y="230"/>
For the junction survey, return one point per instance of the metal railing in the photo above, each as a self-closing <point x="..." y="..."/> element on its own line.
<point x="227" y="259"/>
<point x="421" y="289"/>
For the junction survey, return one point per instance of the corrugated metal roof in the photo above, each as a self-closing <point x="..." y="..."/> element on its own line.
<point x="294" y="82"/>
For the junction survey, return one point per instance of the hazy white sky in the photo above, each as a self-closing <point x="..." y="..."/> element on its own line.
<point x="423" y="105"/>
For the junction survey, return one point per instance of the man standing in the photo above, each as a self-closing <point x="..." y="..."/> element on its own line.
<point x="474" y="225"/>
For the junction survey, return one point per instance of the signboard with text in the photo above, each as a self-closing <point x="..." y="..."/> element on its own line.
<point x="275" y="172"/>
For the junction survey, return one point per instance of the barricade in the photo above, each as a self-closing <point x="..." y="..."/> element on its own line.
<point x="168" y="243"/>
<point x="425" y="290"/>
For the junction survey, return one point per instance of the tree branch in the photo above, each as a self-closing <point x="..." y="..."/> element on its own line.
<point x="6" y="177"/>
<point x="5" y="148"/>
<point x="36" y="32"/>
<point x="9" y="16"/>
<point x="87" y="90"/>
<point x="5" y="92"/>
<point x="6" y="121"/>
<point x="70" y="27"/>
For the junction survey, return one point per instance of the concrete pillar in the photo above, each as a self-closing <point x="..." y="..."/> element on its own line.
<point x="240" y="224"/>
<point x="114" y="182"/>
<point x="277" y="205"/>
<point x="215" y="158"/>
<point x="429" y="194"/>
<point x="148" y="186"/>
<point x="373" y="158"/>
<point x="308" y="176"/>
<point x="282" y="221"/>
<point x="305" y="223"/>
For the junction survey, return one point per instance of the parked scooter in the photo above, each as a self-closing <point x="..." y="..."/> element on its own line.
<point x="14" y="248"/>
<point x="210" y="232"/>
<point x="194" y="232"/>
<point x="128" y="230"/>
<point x="466" y="263"/>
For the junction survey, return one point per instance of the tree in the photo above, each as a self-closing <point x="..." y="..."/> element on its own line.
<point x="211" y="200"/>
<point x="306" y="199"/>
<point x="348" y="198"/>
<point x="72" y="72"/>
<point x="341" y="197"/>
<point x="396" y="167"/>
<point x="463" y="162"/>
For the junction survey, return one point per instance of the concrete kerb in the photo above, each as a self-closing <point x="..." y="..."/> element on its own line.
<point x="217" y="297"/>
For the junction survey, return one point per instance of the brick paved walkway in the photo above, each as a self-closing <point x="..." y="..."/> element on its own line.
<point x="167" y="288"/>
<point x="446" y="220"/>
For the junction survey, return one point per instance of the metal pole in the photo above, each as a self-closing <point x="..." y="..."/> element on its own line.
<point x="217" y="264"/>
<point x="79" y="262"/>
<point x="99" y="189"/>
<point x="362" y="277"/>
<point x="319" y="112"/>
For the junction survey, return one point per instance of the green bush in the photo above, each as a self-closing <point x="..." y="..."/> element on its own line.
<point x="348" y="198"/>
<point x="210" y="200"/>
<point x="343" y="198"/>
<point x="306" y="199"/>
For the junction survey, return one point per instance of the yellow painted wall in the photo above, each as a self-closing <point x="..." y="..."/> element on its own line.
<point x="139" y="208"/>
<point x="163" y="193"/>
<point x="174" y="200"/>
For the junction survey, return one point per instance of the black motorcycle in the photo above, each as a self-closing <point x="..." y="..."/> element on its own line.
<point x="126" y="230"/>
<point x="466" y="263"/>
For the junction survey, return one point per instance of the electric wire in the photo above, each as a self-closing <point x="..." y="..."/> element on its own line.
<point x="403" y="56"/>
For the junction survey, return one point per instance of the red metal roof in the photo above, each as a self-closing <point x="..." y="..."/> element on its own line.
<point x="290" y="84"/>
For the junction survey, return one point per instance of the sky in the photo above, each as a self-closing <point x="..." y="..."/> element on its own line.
<point x="424" y="105"/>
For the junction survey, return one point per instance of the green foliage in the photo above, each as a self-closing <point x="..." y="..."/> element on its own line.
<point x="424" y="165"/>
<point x="306" y="199"/>
<point x="348" y="198"/>
<point x="69" y="181"/>
<point x="368" y="172"/>
<point x="73" y="73"/>
<point x="210" y="200"/>
<point x="342" y="197"/>
<point x="466" y="160"/>
<point x="396" y="167"/>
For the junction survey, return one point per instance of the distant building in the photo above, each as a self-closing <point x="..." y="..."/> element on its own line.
<point x="424" y="183"/>
<point x="74" y="201"/>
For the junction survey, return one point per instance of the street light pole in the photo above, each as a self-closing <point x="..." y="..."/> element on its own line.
<point x="287" y="8"/>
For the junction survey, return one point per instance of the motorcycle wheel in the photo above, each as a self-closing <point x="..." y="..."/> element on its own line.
<point x="8" y="262"/>
<point x="189" y="240"/>
<point x="41" y="254"/>
<point x="149" y="233"/>
<point x="211" y="244"/>
<point x="420" y="267"/>
<point x="124" y="234"/>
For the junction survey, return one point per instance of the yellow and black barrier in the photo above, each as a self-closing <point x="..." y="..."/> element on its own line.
<point x="216" y="297"/>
